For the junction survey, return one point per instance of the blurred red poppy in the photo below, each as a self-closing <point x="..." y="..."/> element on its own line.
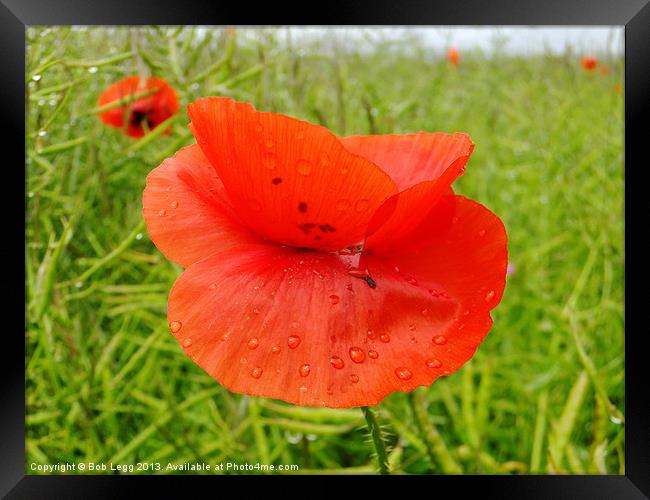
<point x="453" y="56"/>
<point x="322" y="271"/>
<point x="143" y="114"/>
<point x="589" y="63"/>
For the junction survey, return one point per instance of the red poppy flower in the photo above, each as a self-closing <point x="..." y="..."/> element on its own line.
<point x="453" y="56"/>
<point x="152" y="109"/>
<point x="589" y="63"/>
<point x="322" y="271"/>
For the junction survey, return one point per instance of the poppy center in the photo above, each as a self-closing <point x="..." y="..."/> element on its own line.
<point x="138" y="116"/>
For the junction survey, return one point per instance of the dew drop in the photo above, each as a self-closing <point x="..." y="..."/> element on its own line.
<point x="425" y="312"/>
<point x="92" y="69"/>
<point x="337" y="362"/>
<point x="371" y="335"/>
<point x="270" y="162"/>
<point x="42" y="133"/>
<point x="412" y="281"/>
<point x="293" y="341"/>
<point x="253" y="343"/>
<point x="482" y="232"/>
<point x="225" y="337"/>
<point x="361" y="205"/>
<point x="303" y="167"/>
<point x="256" y="372"/>
<point x="357" y="355"/>
<point x="373" y="354"/>
<point x="187" y="342"/>
<point x="454" y="220"/>
<point x="213" y="286"/>
<point x="343" y="205"/>
<point x="433" y="363"/>
<point x="334" y="299"/>
<point x="36" y="78"/>
<point x="304" y="370"/>
<point x="174" y="204"/>
<point x="162" y="213"/>
<point x="403" y="373"/>
<point x="385" y="338"/>
<point x="413" y="327"/>
<point x="138" y="236"/>
<point x="275" y="349"/>
<point x="489" y="296"/>
<point x="354" y="378"/>
<point x="440" y="340"/>
<point x="175" y="326"/>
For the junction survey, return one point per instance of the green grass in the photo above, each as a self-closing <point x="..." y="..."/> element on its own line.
<point x="107" y="382"/>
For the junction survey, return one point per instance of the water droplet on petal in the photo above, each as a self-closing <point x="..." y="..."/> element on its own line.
<point x="253" y="343"/>
<point x="270" y="161"/>
<point x="361" y="205"/>
<point x="433" y="363"/>
<point x="174" y="204"/>
<point x="413" y="327"/>
<point x="373" y="354"/>
<point x="36" y="78"/>
<point x="425" y="312"/>
<point x="482" y="232"/>
<point x="187" y="342"/>
<point x="440" y="340"/>
<point x="256" y="372"/>
<point x="371" y="335"/>
<point x="337" y="362"/>
<point x="354" y="378"/>
<point x="412" y="281"/>
<point x="385" y="338"/>
<point x="334" y="299"/>
<point x="293" y="341"/>
<point x="162" y="213"/>
<point x="489" y="296"/>
<point x="175" y="326"/>
<point x="275" y="349"/>
<point x="357" y="355"/>
<point x="303" y="167"/>
<point x="403" y="373"/>
<point x="304" y="370"/>
<point x="343" y="205"/>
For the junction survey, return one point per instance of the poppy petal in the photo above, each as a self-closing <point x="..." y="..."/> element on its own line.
<point x="301" y="326"/>
<point x="413" y="158"/>
<point x="153" y="109"/>
<point x="115" y="92"/>
<point x="291" y="181"/>
<point x="187" y="211"/>
<point x="461" y="247"/>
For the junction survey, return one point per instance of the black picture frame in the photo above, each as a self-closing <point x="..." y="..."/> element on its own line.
<point x="16" y="15"/>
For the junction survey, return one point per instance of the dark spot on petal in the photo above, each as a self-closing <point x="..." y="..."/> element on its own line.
<point x="330" y="228"/>
<point x="307" y="227"/>
<point x="317" y="238"/>
<point x="322" y="228"/>
<point x="276" y="180"/>
<point x="302" y="207"/>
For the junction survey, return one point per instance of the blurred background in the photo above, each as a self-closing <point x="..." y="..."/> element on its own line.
<point x="105" y="380"/>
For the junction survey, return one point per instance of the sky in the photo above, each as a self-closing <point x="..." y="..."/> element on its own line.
<point x="522" y="40"/>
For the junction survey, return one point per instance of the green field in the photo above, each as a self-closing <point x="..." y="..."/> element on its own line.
<point x="106" y="382"/>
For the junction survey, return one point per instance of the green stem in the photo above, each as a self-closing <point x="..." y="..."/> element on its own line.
<point x="377" y="439"/>
<point x="438" y="452"/>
